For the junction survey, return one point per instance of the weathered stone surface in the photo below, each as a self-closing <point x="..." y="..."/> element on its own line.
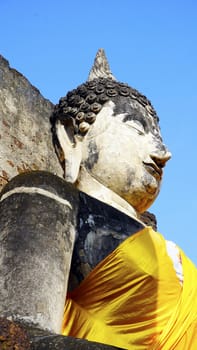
<point x="25" y="135"/>
<point x="13" y="336"/>
<point x="149" y="219"/>
<point x="59" y="342"/>
<point x="16" y="336"/>
<point x="100" y="229"/>
<point x="37" y="225"/>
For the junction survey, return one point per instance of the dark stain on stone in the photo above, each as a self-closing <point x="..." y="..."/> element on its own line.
<point x="149" y="219"/>
<point x="35" y="166"/>
<point x="5" y="123"/>
<point x="123" y="105"/>
<point x="137" y="116"/>
<point x="18" y="143"/>
<point x="5" y="175"/>
<point x="10" y="163"/>
<point x="23" y="168"/>
<point x="3" y="181"/>
<point x="106" y="227"/>
<point x="150" y="124"/>
<point x="93" y="155"/>
<point x="130" y="177"/>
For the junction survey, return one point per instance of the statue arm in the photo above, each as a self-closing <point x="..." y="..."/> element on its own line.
<point x="37" y="225"/>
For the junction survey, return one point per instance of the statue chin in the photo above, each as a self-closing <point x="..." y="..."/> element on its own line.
<point x="91" y="186"/>
<point x="132" y="201"/>
<point x="142" y="201"/>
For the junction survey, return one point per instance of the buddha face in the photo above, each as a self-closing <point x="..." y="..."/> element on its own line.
<point x="111" y="131"/>
<point x="124" y="151"/>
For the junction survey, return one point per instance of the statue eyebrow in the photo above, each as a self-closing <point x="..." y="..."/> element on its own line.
<point x="136" y="115"/>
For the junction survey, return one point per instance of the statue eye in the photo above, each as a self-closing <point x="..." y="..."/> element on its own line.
<point x="135" y="124"/>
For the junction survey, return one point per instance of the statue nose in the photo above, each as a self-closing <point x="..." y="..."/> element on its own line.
<point x="161" y="159"/>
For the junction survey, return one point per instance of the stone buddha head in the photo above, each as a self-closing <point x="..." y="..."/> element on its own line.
<point x="108" y="140"/>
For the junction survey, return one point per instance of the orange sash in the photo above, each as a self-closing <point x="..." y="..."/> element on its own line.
<point x="134" y="300"/>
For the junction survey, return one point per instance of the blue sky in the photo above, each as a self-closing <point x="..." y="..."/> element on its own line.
<point x="151" y="45"/>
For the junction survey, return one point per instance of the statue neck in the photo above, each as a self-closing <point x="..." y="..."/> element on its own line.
<point x="89" y="185"/>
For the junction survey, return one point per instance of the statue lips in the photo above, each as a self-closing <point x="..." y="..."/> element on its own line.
<point x="154" y="170"/>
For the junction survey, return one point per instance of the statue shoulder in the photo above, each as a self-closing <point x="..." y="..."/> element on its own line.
<point x="100" y="230"/>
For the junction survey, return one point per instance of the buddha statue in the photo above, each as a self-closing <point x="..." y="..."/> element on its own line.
<point x="96" y="130"/>
<point x="78" y="259"/>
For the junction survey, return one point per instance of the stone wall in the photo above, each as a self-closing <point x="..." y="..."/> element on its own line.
<point x="25" y="136"/>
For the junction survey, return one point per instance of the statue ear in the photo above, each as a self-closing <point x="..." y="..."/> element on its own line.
<point x="71" y="147"/>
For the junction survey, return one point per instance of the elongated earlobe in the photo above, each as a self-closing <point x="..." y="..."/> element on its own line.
<point x="71" y="148"/>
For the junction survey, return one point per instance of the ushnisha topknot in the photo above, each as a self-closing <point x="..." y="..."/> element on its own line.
<point x="101" y="67"/>
<point x="82" y="104"/>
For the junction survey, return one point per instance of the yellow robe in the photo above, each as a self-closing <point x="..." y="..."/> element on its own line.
<point x="134" y="300"/>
